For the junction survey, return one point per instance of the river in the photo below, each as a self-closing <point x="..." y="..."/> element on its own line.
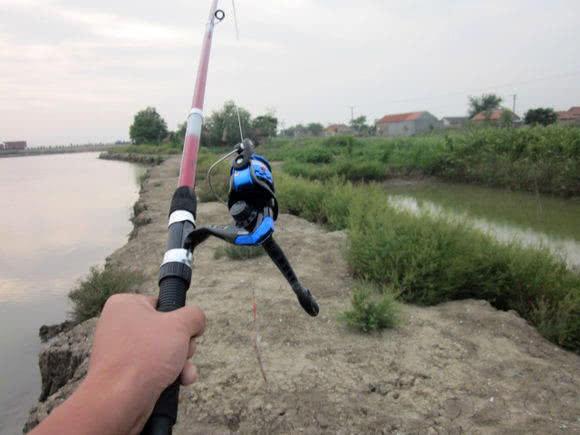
<point x="59" y="215"/>
<point x="532" y="220"/>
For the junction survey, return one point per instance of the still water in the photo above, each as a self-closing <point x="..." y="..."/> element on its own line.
<point x="532" y="220"/>
<point x="59" y="215"/>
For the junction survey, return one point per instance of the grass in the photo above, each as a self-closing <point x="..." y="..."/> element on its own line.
<point x="428" y="261"/>
<point x="148" y="149"/>
<point x="373" y="309"/>
<point x="234" y="252"/>
<point x="535" y="159"/>
<point x="220" y="177"/>
<point x="93" y="291"/>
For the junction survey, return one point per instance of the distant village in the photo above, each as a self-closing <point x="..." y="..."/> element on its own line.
<point x="412" y="123"/>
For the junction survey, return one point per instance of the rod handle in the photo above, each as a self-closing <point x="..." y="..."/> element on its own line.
<point x="172" y="293"/>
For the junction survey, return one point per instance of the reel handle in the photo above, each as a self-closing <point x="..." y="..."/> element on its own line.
<point x="305" y="298"/>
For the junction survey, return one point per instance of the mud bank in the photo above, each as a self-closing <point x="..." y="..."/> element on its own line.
<point x="460" y="367"/>
<point x="132" y="157"/>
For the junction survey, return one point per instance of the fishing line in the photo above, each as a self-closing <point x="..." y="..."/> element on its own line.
<point x="239" y="118"/>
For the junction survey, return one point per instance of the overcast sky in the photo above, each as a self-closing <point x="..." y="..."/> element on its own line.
<point x="76" y="71"/>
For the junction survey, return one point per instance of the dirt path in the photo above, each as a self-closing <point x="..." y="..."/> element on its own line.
<point x="461" y="367"/>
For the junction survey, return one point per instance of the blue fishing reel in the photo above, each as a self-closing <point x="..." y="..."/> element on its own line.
<point x="253" y="206"/>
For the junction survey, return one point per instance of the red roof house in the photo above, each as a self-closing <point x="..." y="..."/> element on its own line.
<point x="570" y="116"/>
<point x="406" y="124"/>
<point x="493" y="117"/>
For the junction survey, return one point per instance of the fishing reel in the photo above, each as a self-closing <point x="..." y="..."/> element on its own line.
<point x="253" y="206"/>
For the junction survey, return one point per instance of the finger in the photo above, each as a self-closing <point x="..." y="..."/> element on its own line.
<point x="193" y="319"/>
<point x="188" y="374"/>
<point x="192" y="347"/>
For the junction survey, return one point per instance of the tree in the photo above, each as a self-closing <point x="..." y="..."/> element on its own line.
<point x="507" y="118"/>
<point x="542" y="116"/>
<point x="264" y="126"/>
<point x="148" y="127"/>
<point x="359" y="125"/>
<point x="315" y="129"/>
<point x="312" y="129"/>
<point x="222" y="127"/>
<point x="484" y="103"/>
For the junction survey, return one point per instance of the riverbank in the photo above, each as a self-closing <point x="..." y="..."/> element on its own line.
<point x="458" y="367"/>
<point x="40" y="151"/>
<point x="144" y="159"/>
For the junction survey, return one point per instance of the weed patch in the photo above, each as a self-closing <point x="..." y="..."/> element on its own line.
<point x="373" y="309"/>
<point x="93" y="291"/>
<point x="427" y="260"/>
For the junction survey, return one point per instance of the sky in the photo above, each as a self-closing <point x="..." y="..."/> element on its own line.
<point x="76" y="71"/>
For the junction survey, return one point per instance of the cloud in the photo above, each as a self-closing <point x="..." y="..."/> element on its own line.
<point x="126" y="29"/>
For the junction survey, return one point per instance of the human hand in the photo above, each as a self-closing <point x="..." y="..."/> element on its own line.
<point x="137" y="352"/>
<point x="133" y="339"/>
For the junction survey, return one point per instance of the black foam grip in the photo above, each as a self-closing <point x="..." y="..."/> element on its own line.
<point x="184" y="199"/>
<point x="305" y="298"/>
<point x="172" y="293"/>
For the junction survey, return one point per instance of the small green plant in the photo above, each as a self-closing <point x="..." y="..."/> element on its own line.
<point x="234" y="252"/>
<point x="93" y="291"/>
<point x="373" y="309"/>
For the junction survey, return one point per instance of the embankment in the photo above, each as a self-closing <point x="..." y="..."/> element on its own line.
<point x="459" y="367"/>
<point x="133" y="157"/>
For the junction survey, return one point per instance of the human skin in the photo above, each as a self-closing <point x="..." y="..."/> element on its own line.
<point x="137" y="352"/>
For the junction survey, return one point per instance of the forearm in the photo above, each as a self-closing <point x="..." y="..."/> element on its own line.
<point x="101" y="405"/>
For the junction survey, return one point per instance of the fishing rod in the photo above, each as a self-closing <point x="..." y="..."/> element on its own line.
<point x="252" y="204"/>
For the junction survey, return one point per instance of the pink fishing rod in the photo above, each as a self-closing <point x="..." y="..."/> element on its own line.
<point x="195" y="119"/>
<point x="175" y="270"/>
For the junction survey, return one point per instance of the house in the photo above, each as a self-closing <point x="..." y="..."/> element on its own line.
<point x="570" y="116"/>
<point x="494" y="117"/>
<point x="406" y="124"/>
<point x="454" y="121"/>
<point x="336" y="129"/>
<point x="15" y="145"/>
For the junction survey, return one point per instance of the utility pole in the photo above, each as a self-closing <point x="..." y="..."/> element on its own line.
<point x="351" y="113"/>
<point x="514" y="96"/>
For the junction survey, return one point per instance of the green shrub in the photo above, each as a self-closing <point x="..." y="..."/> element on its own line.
<point x="315" y="155"/>
<point x="147" y="149"/>
<point x="341" y="141"/>
<point x="235" y="252"/>
<point x="535" y="159"/>
<point x="373" y="309"/>
<point x="93" y="291"/>
<point x="428" y="260"/>
<point x="219" y="178"/>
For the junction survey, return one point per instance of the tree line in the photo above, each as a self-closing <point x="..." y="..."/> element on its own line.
<point x="222" y="127"/>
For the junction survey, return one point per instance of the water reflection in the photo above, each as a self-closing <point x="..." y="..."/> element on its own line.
<point x="566" y="247"/>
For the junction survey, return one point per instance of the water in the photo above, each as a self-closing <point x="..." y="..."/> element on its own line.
<point x="533" y="220"/>
<point x="59" y="215"/>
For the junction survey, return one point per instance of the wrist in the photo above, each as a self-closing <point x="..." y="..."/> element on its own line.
<point x="124" y="396"/>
